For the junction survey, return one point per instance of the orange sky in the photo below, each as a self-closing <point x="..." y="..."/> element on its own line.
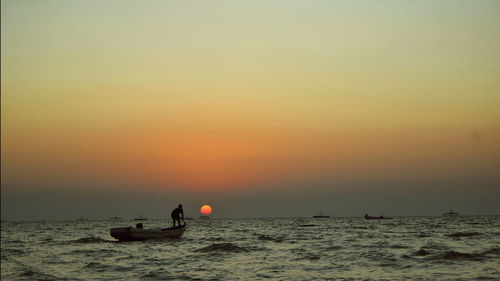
<point x="248" y="95"/>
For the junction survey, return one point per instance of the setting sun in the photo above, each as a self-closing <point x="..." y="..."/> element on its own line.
<point x="206" y="210"/>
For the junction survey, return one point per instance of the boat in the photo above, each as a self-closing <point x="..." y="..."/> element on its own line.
<point x="321" y="216"/>
<point x="450" y="213"/>
<point x="141" y="218"/>
<point x="204" y="217"/>
<point x="376" y="218"/>
<point x="139" y="233"/>
<point x="115" y="218"/>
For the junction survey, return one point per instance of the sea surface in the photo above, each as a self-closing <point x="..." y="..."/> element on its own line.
<point x="404" y="248"/>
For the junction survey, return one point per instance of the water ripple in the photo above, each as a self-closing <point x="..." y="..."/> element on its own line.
<point x="415" y="248"/>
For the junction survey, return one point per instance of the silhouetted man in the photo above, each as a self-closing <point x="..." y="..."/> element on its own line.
<point x="176" y="214"/>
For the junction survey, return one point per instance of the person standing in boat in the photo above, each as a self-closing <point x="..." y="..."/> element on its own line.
<point x="176" y="215"/>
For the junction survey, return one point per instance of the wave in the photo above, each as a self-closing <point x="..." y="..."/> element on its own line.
<point x="457" y="256"/>
<point x="15" y="251"/>
<point x="37" y="275"/>
<point x="396" y="246"/>
<point x="492" y="251"/>
<point x="435" y="246"/>
<point x="421" y="253"/>
<point x="93" y="265"/>
<point x="47" y="240"/>
<point x="310" y="257"/>
<point x="165" y="275"/>
<point x="125" y="257"/>
<point x="151" y="276"/>
<point x="463" y="234"/>
<point x="97" y="251"/>
<point x="215" y="239"/>
<point x="152" y="260"/>
<point x="270" y="238"/>
<point x="222" y="247"/>
<point x="99" y="267"/>
<point x="20" y="241"/>
<point x="90" y="240"/>
<point x="333" y="248"/>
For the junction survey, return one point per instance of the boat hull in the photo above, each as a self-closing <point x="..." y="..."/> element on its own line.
<point x="139" y="234"/>
<point x="377" y="218"/>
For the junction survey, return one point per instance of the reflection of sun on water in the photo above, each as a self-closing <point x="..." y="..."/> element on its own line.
<point x="206" y="210"/>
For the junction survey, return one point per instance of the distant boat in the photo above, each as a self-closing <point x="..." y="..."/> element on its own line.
<point x="115" y="218"/>
<point x="141" y="218"/>
<point x="139" y="233"/>
<point x="81" y="218"/>
<point x="450" y="213"/>
<point x="376" y="218"/>
<point x="204" y="217"/>
<point x="321" y="216"/>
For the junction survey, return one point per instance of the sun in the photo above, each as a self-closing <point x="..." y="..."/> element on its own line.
<point x="206" y="210"/>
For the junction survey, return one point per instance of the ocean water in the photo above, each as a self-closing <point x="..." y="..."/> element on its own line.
<point x="405" y="248"/>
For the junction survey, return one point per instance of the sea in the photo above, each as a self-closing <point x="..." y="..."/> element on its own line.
<point x="402" y="248"/>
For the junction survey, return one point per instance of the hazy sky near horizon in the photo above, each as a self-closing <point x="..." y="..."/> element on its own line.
<point x="291" y="106"/>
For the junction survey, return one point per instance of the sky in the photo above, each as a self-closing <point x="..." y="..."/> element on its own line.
<point x="258" y="108"/>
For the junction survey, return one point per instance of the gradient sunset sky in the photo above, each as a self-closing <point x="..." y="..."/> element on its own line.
<point x="258" y="108"/>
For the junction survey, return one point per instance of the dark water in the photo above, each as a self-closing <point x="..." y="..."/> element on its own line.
<point x="416" y="248"/>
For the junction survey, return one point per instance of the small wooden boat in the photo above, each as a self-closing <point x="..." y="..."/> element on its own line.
<point x="376" y="218"/>
<point x="451" y="213"/>
<point x="321" y="216"/>
<point x="139" y="233"/>
<point x="141" y="218"/>
<point x="115" y="218"/>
